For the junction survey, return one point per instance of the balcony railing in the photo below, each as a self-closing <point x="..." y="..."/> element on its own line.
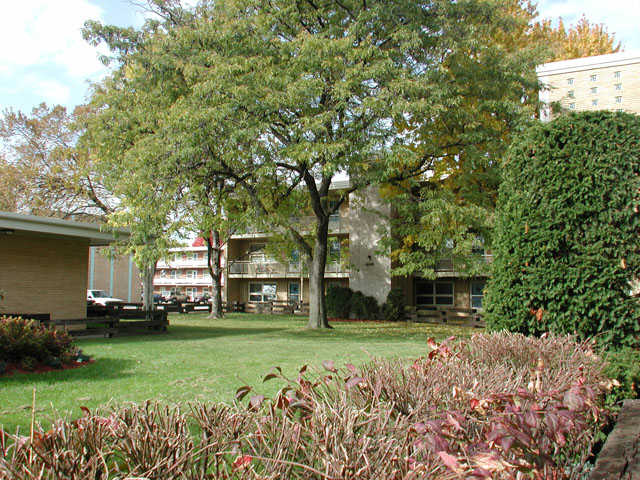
<point x="182" y="280"/>
<point x="337" y="224"/>
<point x="451" y="265"/>
<point x="247" y="268"/>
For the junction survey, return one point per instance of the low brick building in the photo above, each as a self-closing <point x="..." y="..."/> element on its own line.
<point x="44" y="264"/>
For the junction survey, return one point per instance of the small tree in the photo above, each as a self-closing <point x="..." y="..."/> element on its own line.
<point x="566" y="244"/>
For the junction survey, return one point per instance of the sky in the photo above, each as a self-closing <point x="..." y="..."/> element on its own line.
<point x="44" y="58"/>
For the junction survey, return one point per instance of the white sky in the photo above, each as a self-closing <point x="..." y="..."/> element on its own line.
<point x="44" y="58"/>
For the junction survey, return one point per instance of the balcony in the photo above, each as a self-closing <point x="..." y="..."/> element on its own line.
<point x="181" y="280"/>
<point x="201" y="263"/>
<point x="337" y="224"/>
<point x="253" y="269"/>
<point x="449" y="266"/>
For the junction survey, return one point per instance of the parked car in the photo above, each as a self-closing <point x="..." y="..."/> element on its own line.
<point x="204" y="298"/>
<point x="100" y="297"/>
<point x="157" y="298"/>
<point x="177" y="296"/>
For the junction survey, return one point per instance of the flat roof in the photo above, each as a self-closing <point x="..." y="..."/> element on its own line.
<point x="589" y="63"/>
<point x="17" y="222"/>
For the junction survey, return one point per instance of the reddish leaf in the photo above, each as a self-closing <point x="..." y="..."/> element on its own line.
<point x="431" y="342"/>
<point x="241" y="462"/>
<point x="450" y="461"/>
<point x="85" y="411"/>
<point x="474" y="403"/>
<point x="329" y="365"/>
<point x="242" y="392"/>
<point x="269" y="376"/>
<point x="351" y="368"/>
<point x="353" y="381"/>
<point x="303" y="369"/>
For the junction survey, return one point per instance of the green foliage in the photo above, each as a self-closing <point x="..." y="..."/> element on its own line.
<point x="430" y="224"/>
<point x="566" y="244"/>
<point x="623" y="365"/>
<point x="364" y="307"/>
<point x="24" y="339"/>
<point x="394" y="308"/>
<point x="338" y="301"/>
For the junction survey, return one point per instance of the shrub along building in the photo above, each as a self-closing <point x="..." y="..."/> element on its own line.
<point x="44" y="264"/>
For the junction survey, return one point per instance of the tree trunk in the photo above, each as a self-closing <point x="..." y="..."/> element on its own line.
<point x="215" y="270"/>
<point x="147" y="289"/>
<point x="317" y="304"/>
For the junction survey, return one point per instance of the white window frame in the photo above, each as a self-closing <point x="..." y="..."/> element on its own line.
<point x="570" y="81"/>
<point x="594" y="102"/>
<point x="572" y="106"/>
<point x="594" y="90"/>
<point x="191" y="274"/>
<point x="260" y="295"/>
<point x="289" y="296"/>
<point x="594" y="77"/>
<point x="471" y="295"/>
<point x="618" y="99"/>
<point x="617" y="75"/>
<point x="173" y="274"/>
<point x="618" y="86"/>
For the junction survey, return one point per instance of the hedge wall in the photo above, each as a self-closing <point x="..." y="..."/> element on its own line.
<point x="567" y="238"/>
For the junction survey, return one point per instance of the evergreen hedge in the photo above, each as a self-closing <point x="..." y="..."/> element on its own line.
<point x="567" y="230"/>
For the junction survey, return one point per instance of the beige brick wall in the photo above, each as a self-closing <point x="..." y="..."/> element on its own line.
<point x="44" y="275"/>
<point x="605" y="83"/>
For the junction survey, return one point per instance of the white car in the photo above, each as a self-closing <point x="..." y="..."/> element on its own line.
<point x="100" y="297"/>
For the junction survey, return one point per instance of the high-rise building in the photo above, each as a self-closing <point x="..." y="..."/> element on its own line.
<point x="603" y="82"/>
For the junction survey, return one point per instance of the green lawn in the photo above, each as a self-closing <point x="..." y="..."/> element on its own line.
<point x="201" y="359"/>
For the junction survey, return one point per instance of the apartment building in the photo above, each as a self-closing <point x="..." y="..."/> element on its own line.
<point x="354" y="260"/>
<point x="254" y="275"/>
<point x="184" y="270"/>
<point x="603" y="82"/>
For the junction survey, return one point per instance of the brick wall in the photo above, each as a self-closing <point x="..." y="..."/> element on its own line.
<point x="44" y="275"/>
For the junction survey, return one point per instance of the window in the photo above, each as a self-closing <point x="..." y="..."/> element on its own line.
<point x="618" y="99"/>
<point x="477" y="292"/>
<point x="192" y="274"/>
<point x="571" y="94"/>
<point x="429" y="293"/>
<point x="294" y="292"/>
<point x="594" y="77"/>
<point x="572" y="106"/>
<point x="618" y="86"/>
<point x="594" y="90"/>
<point x="173" y="274"/>
<point x="262" y="292"/>
<point x="569" y="81"/>
<point x="594" y="103"/>
<point x="192" y="292"/>
<point x="334" y="249"/>
<point x="617" y="75"/>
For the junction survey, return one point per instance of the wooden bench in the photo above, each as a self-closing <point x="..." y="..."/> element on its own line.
<point x="469" y="317"/>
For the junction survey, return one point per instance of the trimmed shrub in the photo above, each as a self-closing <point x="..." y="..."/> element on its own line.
<point x="338" y="301"/>
<point x="498" y="406"/>
<point x="623" y="365"/>
<point x="566" y="240"/>
<point x="364" y="307"/>
<point x="25" y="342"/>
<point x="393" y="309"/>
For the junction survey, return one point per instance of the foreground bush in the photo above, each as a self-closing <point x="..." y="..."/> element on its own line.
<point x="27" y="343"/>
<point x="338" y="301"/>
<point x="498" y="406"/>
<point x="566" y="241"/>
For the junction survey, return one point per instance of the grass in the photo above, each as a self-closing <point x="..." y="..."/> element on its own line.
<point x="201" y="359"/>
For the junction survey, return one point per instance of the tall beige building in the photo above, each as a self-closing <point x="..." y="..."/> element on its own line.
<point x="603" y="82"/>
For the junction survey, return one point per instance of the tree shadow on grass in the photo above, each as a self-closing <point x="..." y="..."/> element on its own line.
<point x="102" y="369"/>
<point x="184" y="333"/>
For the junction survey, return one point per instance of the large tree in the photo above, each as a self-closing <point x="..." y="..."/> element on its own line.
<point x="44" y="170"/>
<point x="584" y="39"/>
<point x="282" y="97"/>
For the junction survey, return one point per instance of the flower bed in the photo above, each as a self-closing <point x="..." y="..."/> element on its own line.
<point x="500" y="406"/>
<point x="27" y="346"/>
